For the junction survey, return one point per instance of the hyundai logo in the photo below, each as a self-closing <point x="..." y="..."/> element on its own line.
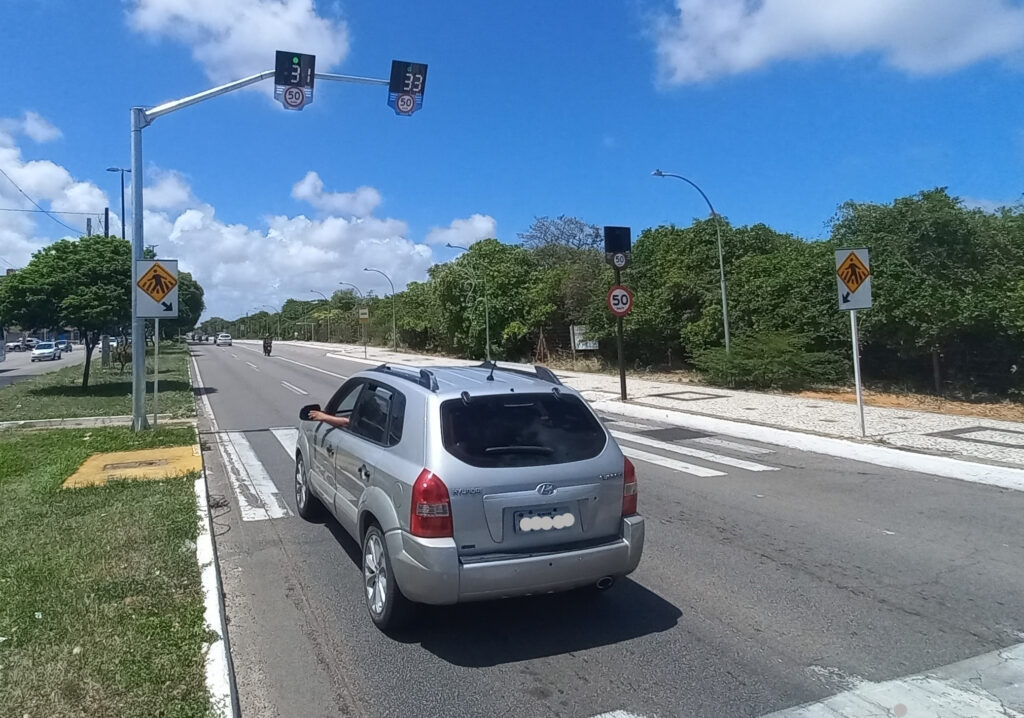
<point x="546" y="489"/>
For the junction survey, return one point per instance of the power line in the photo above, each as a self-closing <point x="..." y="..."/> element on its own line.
<point x="35" y="203"/>
<point x="16" y="209"/>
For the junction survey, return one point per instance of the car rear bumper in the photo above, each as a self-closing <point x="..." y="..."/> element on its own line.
<point x="429" y="570"/>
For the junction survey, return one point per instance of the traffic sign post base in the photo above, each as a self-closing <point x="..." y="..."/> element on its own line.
<point x="856" y="369"/>
<point x="618" y="342"/>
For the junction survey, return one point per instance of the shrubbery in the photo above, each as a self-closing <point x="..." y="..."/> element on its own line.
<point x="770" y="360"/>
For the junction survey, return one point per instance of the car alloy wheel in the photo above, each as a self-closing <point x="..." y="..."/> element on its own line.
<point x="375" y="575"/>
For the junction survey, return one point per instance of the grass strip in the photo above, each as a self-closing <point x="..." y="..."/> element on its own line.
<point x="59" y="394"/>
<point x="101" y="607"/>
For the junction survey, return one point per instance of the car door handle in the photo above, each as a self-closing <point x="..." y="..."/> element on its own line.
<point x="364" y="473"/>
<point x="330" y="450"/>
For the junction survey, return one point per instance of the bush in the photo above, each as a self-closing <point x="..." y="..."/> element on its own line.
<point x="770" y="360"/>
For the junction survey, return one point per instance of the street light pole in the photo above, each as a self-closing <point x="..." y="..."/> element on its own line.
<point x="721" y="261"/>
<point x="487" y="310"/>
<point x="278" y="313"/>
<point x="122" y="171"/>
<point x="313" y="291"/>
<point x="394" y="321"/>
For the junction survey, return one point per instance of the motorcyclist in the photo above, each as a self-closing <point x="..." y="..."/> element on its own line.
<point x="268" y="344"/>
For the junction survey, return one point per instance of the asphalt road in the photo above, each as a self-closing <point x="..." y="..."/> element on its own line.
<point x="19" y="365"/>
<point x="758" y="590"/>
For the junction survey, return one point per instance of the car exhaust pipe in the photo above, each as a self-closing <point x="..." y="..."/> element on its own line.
<point x="604" y="583"/>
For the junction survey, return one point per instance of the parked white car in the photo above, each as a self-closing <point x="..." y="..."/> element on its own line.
<point x="45" y="350"/>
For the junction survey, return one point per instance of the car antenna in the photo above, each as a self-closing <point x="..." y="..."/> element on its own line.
<point x="490" y="377"/>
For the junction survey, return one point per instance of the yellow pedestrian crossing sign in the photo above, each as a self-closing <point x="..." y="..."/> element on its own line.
<point x="156" y="289"/>
<point x="853" y="278"/>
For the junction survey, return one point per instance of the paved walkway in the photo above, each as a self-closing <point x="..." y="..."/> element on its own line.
<point x="973" y="438"/>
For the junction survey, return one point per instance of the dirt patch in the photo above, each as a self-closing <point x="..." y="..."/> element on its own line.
<point x="1005" y="411"/>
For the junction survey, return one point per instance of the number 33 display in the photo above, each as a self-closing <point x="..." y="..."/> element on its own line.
<point x="406" y="86"/>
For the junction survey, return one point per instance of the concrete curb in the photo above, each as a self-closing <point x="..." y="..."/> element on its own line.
<point x="944" y="466"/>
<point x="85" y="422"/>
<point x="220" y="674"/>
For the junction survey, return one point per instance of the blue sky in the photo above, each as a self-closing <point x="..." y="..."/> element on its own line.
<point x="780" y="110"/>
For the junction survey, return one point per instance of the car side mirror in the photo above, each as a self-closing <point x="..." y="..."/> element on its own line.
<point x="304" y="411"/>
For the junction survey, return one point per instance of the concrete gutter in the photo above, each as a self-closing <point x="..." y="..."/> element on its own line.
<point x="88" y="422"/>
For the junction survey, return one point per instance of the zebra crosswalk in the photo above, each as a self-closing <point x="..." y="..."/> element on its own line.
<point x="260" y="499"/>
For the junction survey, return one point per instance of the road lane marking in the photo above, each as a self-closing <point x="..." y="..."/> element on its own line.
<point x="292" y="387"/>
<point x="234" y="355"/>
<point x="307" y="366"/>
<point x="255" y="368"/>
<point x="733" y="446"/>
<point x="696" y="453"/>
<point x="631" y="425"/>
<point x="667" y="463"/>
<point x="288" y="438"/>
<point x="258" y="498"/>
<point x="986" y="686"/>
<point x="257" y="494"/>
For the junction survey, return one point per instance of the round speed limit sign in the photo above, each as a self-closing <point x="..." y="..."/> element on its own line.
<point x="620" y="301"/>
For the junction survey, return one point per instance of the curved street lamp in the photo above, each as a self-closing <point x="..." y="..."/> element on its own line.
<point x="278" y="313"/>
<point x="487" y="311"/>
<point x="122" y="170"/>
<point x="394" y="315"/>
<point x="362" y="324"/>
<point x="328" y="301"/>
<point x="718" y="231"/>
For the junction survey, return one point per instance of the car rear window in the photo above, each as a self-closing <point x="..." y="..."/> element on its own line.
<point x="520" y="430"/>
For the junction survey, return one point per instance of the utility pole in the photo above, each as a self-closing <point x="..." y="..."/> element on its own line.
<point x="88" y="226"/>
<point x="106" y="221"/>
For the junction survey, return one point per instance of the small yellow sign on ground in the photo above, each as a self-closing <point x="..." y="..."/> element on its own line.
<point x="143" y="465"/>
<point x="157" y="282"/>
<point x="853" y="272"/>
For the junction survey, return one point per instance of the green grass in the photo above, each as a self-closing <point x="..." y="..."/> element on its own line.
<point x="59" y="394"/>
<point x="101" y="612"/>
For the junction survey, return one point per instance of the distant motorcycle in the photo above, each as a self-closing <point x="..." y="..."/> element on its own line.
<point x="266" y="347"/>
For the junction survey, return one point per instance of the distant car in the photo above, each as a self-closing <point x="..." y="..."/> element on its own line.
<point x="223" y="340"/>
<point x="45" y="350"/>
<point x="31" y="341"/>
<point x="15" y="347"/>
<point x="112" y="342"/>
<point x="64" y="346"/>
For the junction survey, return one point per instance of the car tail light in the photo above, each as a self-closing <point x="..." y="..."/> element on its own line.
<point x="629" y="489"/>
<point x="431" y="511"/>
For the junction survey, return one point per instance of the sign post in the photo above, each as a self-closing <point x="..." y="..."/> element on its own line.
<point x="617" y="245"/>
<point x="364" y="319"/>
<point x="853" y="281"/>
<point x="156" y="297"/>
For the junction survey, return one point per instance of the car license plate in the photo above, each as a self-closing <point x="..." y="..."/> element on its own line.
<point x="553" y="519"/>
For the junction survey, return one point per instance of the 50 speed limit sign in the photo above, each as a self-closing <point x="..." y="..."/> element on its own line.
<point x="620" y="300"/>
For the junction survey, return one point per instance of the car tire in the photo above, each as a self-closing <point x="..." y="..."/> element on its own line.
<point x="389" y="609"/>
<point x="309" y="506"/>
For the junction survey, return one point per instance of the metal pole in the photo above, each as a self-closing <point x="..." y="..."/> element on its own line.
<point x="106" y="221"/>
<point x="394" y="311"/>
<point x="721" y="260"/>
<point x="618" y="343"/>
<point x="138" y="121"/>
<point x="88" y="226"/>
<point x="122" y="194"/>
<point x="856" y="368"/>
<point x="156" y="368"/>
<point x="487" y="321"/>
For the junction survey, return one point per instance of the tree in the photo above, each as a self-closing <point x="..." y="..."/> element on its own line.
<point x="190" y="306"/>
<point x="80" y="283"/>
<point x="564" y="231"/>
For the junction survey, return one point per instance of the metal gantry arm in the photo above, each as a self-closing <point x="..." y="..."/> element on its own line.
<point x="141" y="118"/>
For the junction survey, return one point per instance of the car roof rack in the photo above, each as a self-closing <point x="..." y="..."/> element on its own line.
<point x="539" y="372"/>
<point x="425" y="378"/>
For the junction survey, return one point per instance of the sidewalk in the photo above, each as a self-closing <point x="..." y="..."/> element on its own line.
<point x="964" y="437"/>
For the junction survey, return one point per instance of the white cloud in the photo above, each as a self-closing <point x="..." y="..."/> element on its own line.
<point x="705" y="39"/>
<point x="988" y="205"/>
<point x="49" y="184"/>
<point x="464" y="231"/>
<point x="360" y="203"/>
<point x="234" y="39"/>
<point x="169" y="191"/>
<point x="33" y="125"/>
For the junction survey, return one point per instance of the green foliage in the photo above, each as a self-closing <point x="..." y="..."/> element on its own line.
<point x="769" y="360"/>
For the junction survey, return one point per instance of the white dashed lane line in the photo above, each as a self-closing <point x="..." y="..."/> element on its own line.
<point x="293" y="388"/>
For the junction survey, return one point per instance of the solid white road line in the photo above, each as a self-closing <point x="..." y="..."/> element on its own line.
<point x="288" y="438"/>
<point x="632" y="425"/>
<point x="258" y="496"/>
<point x="696" y="453"/>
<point x="986" y="686"/>
<point x="292" y="387"/>
<point x="733" y="446"/>
<point x="307" y="366"/>
<point x="660" y="460"/>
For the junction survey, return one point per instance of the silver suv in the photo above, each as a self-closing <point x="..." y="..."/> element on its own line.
<point x="469" y="483"/>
